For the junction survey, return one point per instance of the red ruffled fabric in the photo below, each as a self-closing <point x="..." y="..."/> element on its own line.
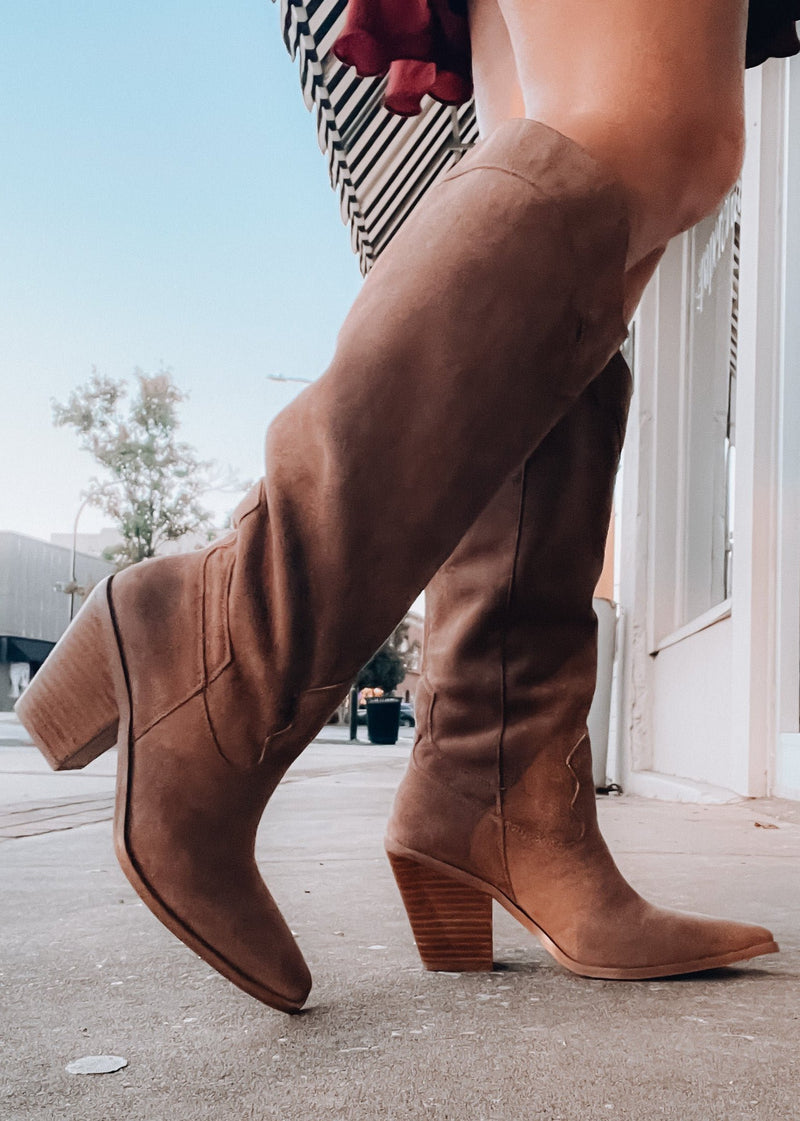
<point x="423" y="45"/>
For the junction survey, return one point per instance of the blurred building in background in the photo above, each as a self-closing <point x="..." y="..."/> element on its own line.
<point x="37" y="596"/>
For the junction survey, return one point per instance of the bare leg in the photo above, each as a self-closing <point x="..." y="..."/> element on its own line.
<point x="654" y="92"/>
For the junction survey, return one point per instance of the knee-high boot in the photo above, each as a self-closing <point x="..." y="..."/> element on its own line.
<point x="493" y="308"/>
<point x="499" y="799"/>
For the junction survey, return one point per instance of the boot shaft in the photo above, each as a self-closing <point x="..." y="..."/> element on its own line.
<point x="499" y="300"/>
<point x="509" y="659"/>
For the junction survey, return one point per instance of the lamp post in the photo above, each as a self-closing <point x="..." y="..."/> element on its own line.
<point x="456" y="143"/>
<point x="354" y="714"/>
<point x="296" y="381"/>
<point x="73" y="587"/>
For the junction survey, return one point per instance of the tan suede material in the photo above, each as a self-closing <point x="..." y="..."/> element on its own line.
<point x="500" y="783"/>
<point x="509" y="631"/>
<point x="493" y="308"/>
<point x="480" y="285"/>
<point x="190" y="832"/>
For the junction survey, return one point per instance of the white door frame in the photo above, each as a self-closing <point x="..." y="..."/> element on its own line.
<point x="753" y="639"/>
<point x="786" y="771"/>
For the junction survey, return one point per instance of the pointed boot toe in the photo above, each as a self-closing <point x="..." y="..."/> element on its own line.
<point x="671" y="943"/>
<point x="636" y="940"/>
<point x="184" y="834"/>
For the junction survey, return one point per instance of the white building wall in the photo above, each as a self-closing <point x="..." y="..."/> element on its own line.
<point x="693" y="683"/>
<point x="786" y="776"/>
<point x="710" y="670"/>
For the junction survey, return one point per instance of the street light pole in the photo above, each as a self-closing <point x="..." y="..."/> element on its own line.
<point x="72" y="587"/>
<point x="283" y="377"/>
<point x="354" y="714"/>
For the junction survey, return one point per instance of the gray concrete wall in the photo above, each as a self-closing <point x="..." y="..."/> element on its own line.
<point x="30" y="605"/>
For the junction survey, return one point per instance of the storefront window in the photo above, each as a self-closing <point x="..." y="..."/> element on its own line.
<point x="709" y="411"/>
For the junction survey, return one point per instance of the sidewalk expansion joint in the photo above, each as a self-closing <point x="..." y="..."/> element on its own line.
<point x="30" y="819"/>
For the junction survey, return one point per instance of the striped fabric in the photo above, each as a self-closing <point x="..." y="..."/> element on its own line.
<point x="379" y="164"/>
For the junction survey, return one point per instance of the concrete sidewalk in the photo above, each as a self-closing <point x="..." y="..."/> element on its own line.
<point x="87" y="970"/>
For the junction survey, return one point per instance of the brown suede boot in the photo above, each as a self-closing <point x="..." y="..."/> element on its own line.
<point x="499" y="799"/>
<point x="493" y="308"/>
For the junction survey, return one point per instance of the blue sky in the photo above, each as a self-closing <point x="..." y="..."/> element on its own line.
<point x="162" y="200"/>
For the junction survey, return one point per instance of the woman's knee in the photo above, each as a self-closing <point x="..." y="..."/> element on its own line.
<point x="677" y="167"/>
<point x="688" y="163"/>
<point x="657" y="97"/>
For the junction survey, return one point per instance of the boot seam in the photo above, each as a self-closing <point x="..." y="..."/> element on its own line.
<point x="430" y="739"/>
<point x="429" y="776"/>
<point x="425" y="727"/>
<point x="501" y="785"/>
<point x="296" y="702"/>
<point x="525" y="833"/>
<point x="534" y="187"/>
<point x="212" y="673"/>
<point x="568" y="763"/>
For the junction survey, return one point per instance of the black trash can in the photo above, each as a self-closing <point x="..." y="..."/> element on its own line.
<point x="383" y="719"/>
